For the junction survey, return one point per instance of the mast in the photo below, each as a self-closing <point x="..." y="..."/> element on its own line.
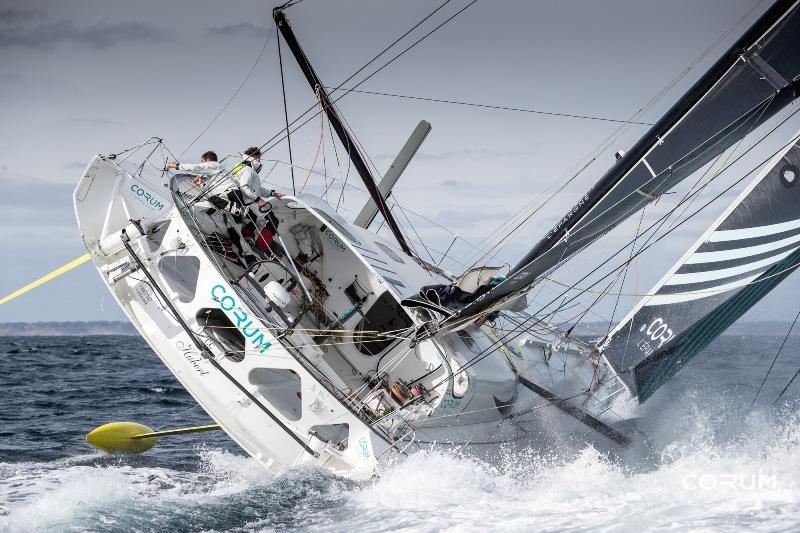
<point x="344" y="136"/>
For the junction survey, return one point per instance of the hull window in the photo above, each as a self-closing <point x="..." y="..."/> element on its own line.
<point x="281" y="388"/>
<point x="219" y="328"/>
<point x="180" y="273"/>
<point x="385" y="315"/>
<point x="336" y="434"/>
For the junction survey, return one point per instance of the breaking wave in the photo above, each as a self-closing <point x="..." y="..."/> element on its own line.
<point x="712" y="462"/>
<point x="703" y="480"/>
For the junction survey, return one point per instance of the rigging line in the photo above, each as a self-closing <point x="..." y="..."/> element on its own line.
<point x="336" y="154"/>
<point x="500" y="107"/>
<point x="270" y="33"/>
<point x="391" y="201"/>
<point x="590" y="216"/>
<point x="574" y="286"/>
<point x="286" y="115"/>
<point x="311" y="108"/>
<point x="683" y="200"/>
<point x="689" y="197"/>
<point x="625" y="274"/>
<point x="403" y="211"/>
<point x="324" y="161"/>
<point x="594" y="303"/>
<point x="787" y="386"/>
<point x="289" y="4"/>
<point x="319" y="146"/>
<point x="389" y="62"/>
<point x="359" y="145"/>
<point x="375" y="58"/>
<point x="592" y="156"/>
<point x="760" y="387"/>
<point x="487" y="351"/>
<point x="696" y="61"/>
<point x="682" y="161"/>
<point x="492" y="348"/>
<point x="580" y="316"/>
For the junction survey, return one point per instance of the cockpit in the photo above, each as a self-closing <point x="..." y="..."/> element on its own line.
<point x="328" y="289"/>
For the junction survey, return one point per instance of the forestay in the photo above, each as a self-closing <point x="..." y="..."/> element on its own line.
<point x="751" y="248"/>
<point x="751" y="82"/>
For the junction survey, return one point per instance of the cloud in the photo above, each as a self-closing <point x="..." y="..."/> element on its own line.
<point x="47" y="35"/>
<point x="91" y="120"/>
<point x="16" y="16"/>
<point x="455" y="184"/>
<point x="21" y="191"/>
<point x="466" y="153"/>
<point x="35" y="213"/>
<point x="243" y="28"/>
<point x="461" y="218"/>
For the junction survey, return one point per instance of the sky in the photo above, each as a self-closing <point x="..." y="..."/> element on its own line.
<point x="85" y="77"/>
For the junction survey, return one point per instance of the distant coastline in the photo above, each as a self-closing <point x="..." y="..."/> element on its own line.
<point x="39" y="329"/>
<point x="109" y="327"/>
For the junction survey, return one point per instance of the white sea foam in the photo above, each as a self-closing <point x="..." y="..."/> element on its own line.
<point x="697" y="484"/>
<point x="698" y="479"/>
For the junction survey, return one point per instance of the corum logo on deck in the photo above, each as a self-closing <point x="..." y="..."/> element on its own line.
<point x="228" y="304"/>
<point x="334" y="239"/>
<point x="147" y="198"/>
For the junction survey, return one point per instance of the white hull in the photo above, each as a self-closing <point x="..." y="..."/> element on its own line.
<point x="316" y="393"/>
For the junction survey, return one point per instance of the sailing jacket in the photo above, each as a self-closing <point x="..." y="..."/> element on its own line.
<point x="249" y="183"/>
<point x="207" y="168"/>
<point x="218" y="185"/>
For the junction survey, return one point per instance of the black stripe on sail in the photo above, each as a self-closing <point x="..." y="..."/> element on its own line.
<point x="708" y="285"/>
<point x="745" y="243"/>
<point x="656" y="369"/>
<point x="728" y="263"/>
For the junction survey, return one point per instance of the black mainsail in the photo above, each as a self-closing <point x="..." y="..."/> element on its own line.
<point x="757" y="77"/>
<point x="751" y="248"/>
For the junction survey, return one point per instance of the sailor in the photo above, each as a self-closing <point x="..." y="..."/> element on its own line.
<point x="259" y="228"/>
<point x="208" y="166"/>
<point x="246" y="176"/>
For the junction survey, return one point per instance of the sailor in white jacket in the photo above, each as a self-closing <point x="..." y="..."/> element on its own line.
<point x="206" y="168"/>
<point x="246" y="176"/>
<point x="208" y="165"/>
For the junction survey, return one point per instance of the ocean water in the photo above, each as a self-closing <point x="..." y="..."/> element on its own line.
<point x="714" y="462"/>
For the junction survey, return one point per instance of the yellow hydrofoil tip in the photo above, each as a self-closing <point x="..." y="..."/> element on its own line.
<point x="130" y="437"/>
<point x="44" y="279"/>
<point x="117" y="437"/>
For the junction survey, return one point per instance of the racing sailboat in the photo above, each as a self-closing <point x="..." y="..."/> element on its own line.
<point x="312" y="340"/>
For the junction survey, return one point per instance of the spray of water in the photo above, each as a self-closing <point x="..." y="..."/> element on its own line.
<point x="710" y="464"/>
